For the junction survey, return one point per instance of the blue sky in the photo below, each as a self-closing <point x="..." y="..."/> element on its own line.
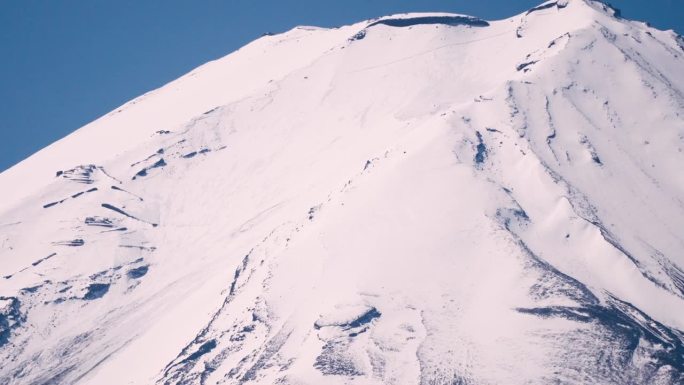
<point x="65" y="63"/>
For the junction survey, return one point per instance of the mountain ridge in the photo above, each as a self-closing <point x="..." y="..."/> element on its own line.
<point x="586" y="5"/>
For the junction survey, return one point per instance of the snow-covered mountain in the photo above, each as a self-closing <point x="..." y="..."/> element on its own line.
<point x="416" y="199"/>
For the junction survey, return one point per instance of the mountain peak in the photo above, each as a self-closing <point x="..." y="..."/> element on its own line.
<point x="414" y="199"/>
<point x="578" y="9"/>
<point x="599" y="5"/>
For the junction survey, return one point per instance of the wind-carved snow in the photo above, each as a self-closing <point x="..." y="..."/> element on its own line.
<point x="417" y="199"/>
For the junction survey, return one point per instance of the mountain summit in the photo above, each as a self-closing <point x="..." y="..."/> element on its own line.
<point x="415" y="199"/>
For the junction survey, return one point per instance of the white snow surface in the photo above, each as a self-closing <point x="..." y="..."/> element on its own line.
<point x="449" y="201"/>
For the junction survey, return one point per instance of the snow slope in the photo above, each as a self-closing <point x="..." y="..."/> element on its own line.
<point x="415" y="199"/>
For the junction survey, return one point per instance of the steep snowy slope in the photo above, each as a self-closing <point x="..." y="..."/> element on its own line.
<point x="416" y="199"/>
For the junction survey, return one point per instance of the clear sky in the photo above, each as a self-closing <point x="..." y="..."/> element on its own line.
<point x="65" y="63"/>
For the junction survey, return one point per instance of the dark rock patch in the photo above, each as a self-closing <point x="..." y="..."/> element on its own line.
<point x="422" y="20"/>
<point x="96" y="291"/>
